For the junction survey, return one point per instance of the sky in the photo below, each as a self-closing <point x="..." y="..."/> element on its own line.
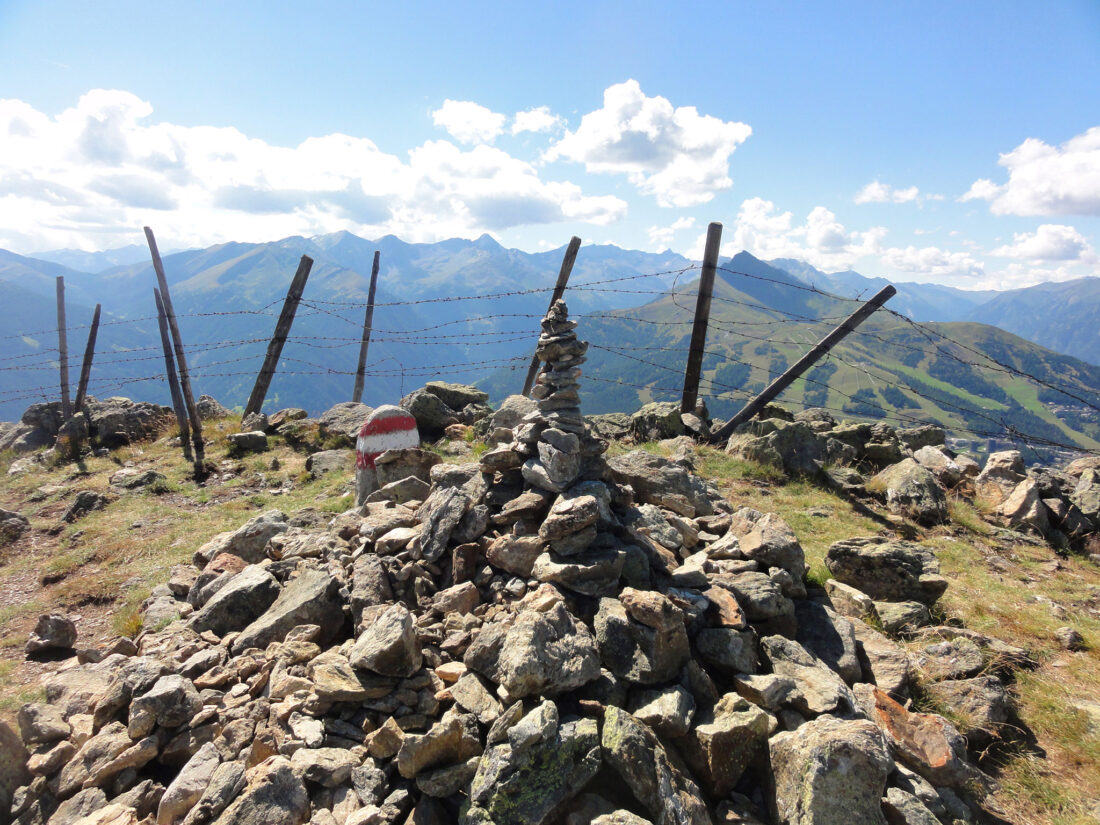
<point x="955" y="143"/>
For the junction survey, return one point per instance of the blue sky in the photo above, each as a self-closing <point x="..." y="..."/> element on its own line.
<point x="948" y="142"/>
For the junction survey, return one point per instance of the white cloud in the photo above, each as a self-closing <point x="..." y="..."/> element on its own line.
<point x="930" y="263"/>
<point x="822" y="240"/>
<point x="660" y="237"/>
<point x="540" y="119"/>
<point x="1050" y="242"/>
<point x="1046" y="180"/>
<point x="675" y="154"/>
<point x="469" y="122"/>
<point x="1018" y="275"/>
<point x="94" y="174"/>
<point x="878" y="192"/>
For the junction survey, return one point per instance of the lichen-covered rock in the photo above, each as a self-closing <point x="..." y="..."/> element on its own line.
<point x="540" y="652"/>
<point x="389" y="645"/>
<point x="911" y="491"/>
<point x="53" y="631"/>
<point x="830" y="772"/>
<point x="273" y="795"/>
<point x="786" y="445"/>
<point x="724" y="740"/>
<point x="887" y="570"/>
<point x="641" y="637"/>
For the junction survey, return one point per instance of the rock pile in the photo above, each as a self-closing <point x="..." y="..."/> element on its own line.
<point x="543" y="636"/>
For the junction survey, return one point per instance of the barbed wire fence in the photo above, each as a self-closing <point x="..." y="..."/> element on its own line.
<point x="770" y="326"/>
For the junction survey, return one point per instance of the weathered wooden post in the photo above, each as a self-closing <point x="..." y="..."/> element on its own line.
<point x="282" y="329"/>
<point x="173" y="381"/>
<point x="805" y="362"/>
<point x="559" y="290"/>
<point x="63" y="349"/>
<point x="86" y="367"/>
<point x="702" y="318"/>
<point x="368" y="322"/>
<point x="181" y="358"/>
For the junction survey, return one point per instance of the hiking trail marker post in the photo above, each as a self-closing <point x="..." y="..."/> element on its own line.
<point x="387" y="428"/>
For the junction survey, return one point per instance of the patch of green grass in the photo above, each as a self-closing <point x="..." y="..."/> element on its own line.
<point x="964" y="514"/>
<point x="12" y="703"/>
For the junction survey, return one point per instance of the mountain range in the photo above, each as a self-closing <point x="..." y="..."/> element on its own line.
<point x="468" y="311"/>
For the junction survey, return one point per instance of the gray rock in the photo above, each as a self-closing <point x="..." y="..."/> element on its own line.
<point x="470" y="694"/>
<point x="41" y="724"/>
<point x="440" y="515"/>
<point x="339" y="425"/>
<point x="903" y="807"/>
<point x="245" y="598"/>
<point x="641" y="637"/>
<point x="187" y="788"/>
<point x="669" y="711"/>
<point x="818" y="689"/>
<point x="636" y="754"/>
<point x="311" y="598"/>
<point x="389" y="645"/>
<point x="453" y="739"/>
<point x="593" y="573"/>
<point x="456" y="396"/>
<point x="540" y="652"/>
<point x="75" y="808"/>
<point x="13" y="766"/>
<point x="395" y="465"/>
<point x="226" y="782"/>
<point x="933" y="459"/>
<point x="328" y="767"/>
<point x="923" y="435"/>
<point x="53" y="631"/>
<point x="512" y="411"/>
<point x="523" y="780"/>
<point x="760" y="596"/>
<point x="724" y="740"/>
<point x="170" y="702"/>
<point x="1069" y="638"/>
<point x="911" y="491"/>
<point x="772" y="543"/>
<point x="273" y="795"/>
<point x="330" y="461"/>
<point x="209" y="408"/>
<point x="902" y="618"/>
<point x="789" y="446"/>
<point x="85" y="502"/>
<point x="727" y="649"/>
<point x="884" y="663"/>
<point x="432" y="415"/>
<point x="887" y="570"/>
<point x="657" y="420"/>
<point x="951" y="659"/>
<point x="829" y="637"/>
<point x="982" y="703"/>
<point x="129" y="478"/>
<point x="654" y="478"/>
<point x="251" y="442"/>
<point x="830" y="772"/>
<point x="247" y="541"/>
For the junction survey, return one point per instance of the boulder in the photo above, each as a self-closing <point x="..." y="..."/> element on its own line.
<point x="311" y="598"/>
<point x="251" y="442"/>
<point x="792" y="447"/>
<point x="818" y="689"/>
<point x="635" y="753"/>
<point x="641" y="636"/>
<point x="657" y="420"/>
<point x="511" y="412"/>
<point x="85" y="502"/>
<point x="982" y="704"/>
<point x="539" y="652"/>
<point x="273" y="795"/>
<point x="946" y="471"/>
<point x="53" y="631"/>
<point x="829" y="637"/>
<point x="330" y="461"/>
<point x="911" y="491"/>
<point x="456" y="396"/>
<point x="887" y="570"/>
<point x="339" y="425"/>
<point x="246" y="542"/>
<point x="654" y="479"/>
<point x="389" y="645"/>
<point x="432" y="415"/>
<point x="184" y="792"/>
<point x="539" y="765"/>
<point x="724" y="740"/>
<point x="209" y="408"/>
<point x="243" y="599"/>
<point x="830" y="772"/>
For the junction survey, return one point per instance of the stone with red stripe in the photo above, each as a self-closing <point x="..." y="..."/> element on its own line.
<point x="387" y="428"/>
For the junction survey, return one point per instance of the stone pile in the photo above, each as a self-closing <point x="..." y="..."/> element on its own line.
<point x="543" y="636"/>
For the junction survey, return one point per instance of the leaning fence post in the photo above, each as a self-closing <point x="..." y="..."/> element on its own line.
<point x="559" y="290"/>
<point x="702" y="318"/>
<point x="282" y="329"/>
<point x="173" y="381"/>
<point x="805" y="362"/>
<point x="86" y="367"/>
<point x="63" y="349"/>
<point x="181" y="358"/>
<point x="368" y="322"/>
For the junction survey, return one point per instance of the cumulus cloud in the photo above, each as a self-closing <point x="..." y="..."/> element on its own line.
<point x="673" y="153"/>
<point x="1050" y="242"/>
<point x="762" y="229"/>
<point x="878" y="192"/>
<point x="92" y="175"/>
<point x="540" y="119"/>
<point x="469" y="122"/>
<point x="930" y="263"/>
<point x="660" y="237"/>
<point x="1045" y="179"/>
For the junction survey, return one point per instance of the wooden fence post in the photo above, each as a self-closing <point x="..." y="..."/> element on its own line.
<point x="559" y="290"/>
<point x="86" y="367"/>
<point x="173" y="381"/>
<point x="282" y="329"/>
<point x="181" y="358"/>
<point x="368" y="322"/>
<point x="63" y="349"/>
<point x="805" y="362"/>
<point x="702" y="318"/>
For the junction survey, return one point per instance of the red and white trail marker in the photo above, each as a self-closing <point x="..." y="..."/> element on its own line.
<point x="387" y="428"/>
